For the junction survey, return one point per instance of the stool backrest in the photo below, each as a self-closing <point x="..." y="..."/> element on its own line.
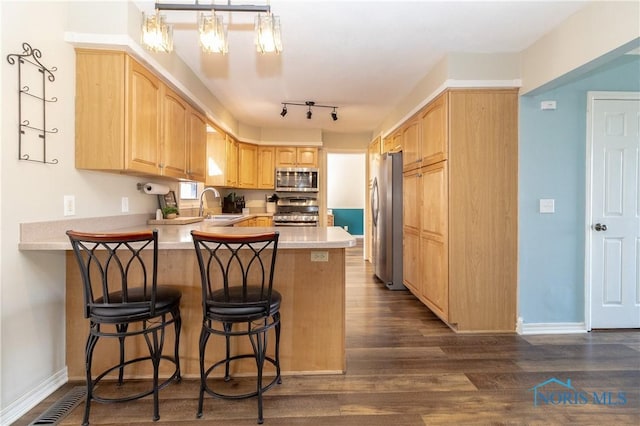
<point x="243" y="262"/>
<point x="112" y="264"/>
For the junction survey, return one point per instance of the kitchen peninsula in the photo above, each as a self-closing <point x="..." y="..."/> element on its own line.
<point x="313" y="306"/>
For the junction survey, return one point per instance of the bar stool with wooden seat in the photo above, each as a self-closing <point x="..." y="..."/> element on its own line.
<point x="122" y="300"/>
<point x="238" y="299"/>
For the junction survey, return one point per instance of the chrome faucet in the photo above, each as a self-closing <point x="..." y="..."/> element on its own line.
<point x="204" y="191"/>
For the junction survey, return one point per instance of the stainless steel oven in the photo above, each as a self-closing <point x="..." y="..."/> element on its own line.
<point x="296" y="179"/>
<point x="296" y="211"/>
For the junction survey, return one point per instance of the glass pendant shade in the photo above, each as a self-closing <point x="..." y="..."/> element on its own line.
<point x="267" y="27"/>
<point x="157" y="35"/>
<point x="212" y="34"/>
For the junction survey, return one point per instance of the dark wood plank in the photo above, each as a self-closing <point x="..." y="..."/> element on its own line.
<point x="405" y="367"/>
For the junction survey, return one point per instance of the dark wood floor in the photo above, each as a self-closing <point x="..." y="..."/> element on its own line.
<point x="405" y="367"/>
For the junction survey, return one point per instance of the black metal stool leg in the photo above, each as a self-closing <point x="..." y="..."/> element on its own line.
<point x="204" y="337"/>
<point x="178" y="327"/>
<point x="91" y="344"/>
<point x="227" y="329"/>
<point x="155" y="358"/>
<point x="121" y="329"/>
<point x="276" y="319"/>
<point x="259" y="344"/>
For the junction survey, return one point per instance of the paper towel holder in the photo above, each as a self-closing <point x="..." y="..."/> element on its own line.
<point x="152" y="188"/>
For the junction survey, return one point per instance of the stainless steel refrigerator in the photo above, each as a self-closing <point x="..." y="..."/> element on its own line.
<point x="386" y="210"/>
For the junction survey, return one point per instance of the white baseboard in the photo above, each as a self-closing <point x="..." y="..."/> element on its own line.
<point x="550" y="328"/>
<point x="32" y="398"/>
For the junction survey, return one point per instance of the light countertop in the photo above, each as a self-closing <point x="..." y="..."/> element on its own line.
<point x="51" y="235"/>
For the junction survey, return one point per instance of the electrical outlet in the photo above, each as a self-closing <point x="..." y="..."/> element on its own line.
<point x="69" y="208"/>
<point x="125" y="204"/>
<point x="319" y="256"/>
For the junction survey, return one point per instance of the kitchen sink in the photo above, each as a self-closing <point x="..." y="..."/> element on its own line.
<point x="222" y="217"/>
<point x="226" y="216"/>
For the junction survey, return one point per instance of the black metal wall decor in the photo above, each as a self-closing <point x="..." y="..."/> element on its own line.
<point x="32" y="131"/>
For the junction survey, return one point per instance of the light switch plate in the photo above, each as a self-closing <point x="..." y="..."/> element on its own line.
<point x="69" y="208"/>
<point x="547" y="205"/>
<point x="545" y="105"/>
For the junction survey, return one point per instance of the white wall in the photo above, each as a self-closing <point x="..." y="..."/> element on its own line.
<point x="32" y="284"/>
<point x="593" y="32"/>
<point x="346" y="181"/>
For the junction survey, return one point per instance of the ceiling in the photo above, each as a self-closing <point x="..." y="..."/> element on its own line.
<point x="362" y="56"/>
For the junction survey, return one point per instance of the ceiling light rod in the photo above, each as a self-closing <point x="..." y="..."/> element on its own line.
<point x="214" y="7"/>
<point x="309" y="104"/>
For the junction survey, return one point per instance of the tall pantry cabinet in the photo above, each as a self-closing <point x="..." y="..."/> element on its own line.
<point x="460" y="209"/>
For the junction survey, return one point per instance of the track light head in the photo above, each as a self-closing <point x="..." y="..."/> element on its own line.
<point x="309" y="114"/>
<point x="284" y="110"/>
<point x="334" y="115"/>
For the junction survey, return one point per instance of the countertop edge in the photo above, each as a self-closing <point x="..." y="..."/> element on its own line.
<point x="177" y="237"/>
<point x="63" y="246"/>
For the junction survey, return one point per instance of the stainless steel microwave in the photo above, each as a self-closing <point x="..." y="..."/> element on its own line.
<point x="296" y="179"/>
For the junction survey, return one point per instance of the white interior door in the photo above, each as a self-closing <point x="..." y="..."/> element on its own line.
<point x="614" y="232"/>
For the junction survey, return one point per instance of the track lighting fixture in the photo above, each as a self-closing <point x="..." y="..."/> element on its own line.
<point x="309" y="105"/>
<point x="157" y="35"/>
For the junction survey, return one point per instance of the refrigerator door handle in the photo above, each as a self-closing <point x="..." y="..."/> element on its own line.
<point x="375" y="201"/>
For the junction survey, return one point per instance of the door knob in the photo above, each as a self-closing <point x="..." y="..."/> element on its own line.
<point x="600" y="227"/>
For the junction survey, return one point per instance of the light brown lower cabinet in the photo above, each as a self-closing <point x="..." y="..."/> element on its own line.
<point x="264" y="221"/>
<point x="460" y="220"/>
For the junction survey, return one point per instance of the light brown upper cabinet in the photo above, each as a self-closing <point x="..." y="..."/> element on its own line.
<point x="175" y="130"/>
<point x="411" y="156"/>
<point x="231" y="170"/>
<point x="118" y="114"/>
<point x="196" y="164"/>
<point x="296" y="156"/>
<point x="216" y="162"/>
<point x="266" y="167"/>
<point x="247" y="165"/>
<point x="183" y="139"/>
<point x="128" y="120"/>
<point x="433" y="122"/>
<point x="393" y="142"/>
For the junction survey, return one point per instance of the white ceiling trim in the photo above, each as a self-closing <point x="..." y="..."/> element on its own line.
<point x="452" y="84"/>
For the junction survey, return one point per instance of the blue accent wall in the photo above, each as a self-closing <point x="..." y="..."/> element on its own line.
<point x="353" y="218"/>
<point x="552" y="161"/>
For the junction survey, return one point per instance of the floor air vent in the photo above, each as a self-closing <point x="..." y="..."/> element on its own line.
<point x="62" y="407"/>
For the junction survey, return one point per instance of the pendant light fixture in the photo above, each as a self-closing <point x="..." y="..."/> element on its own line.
<point x="267" y="30"/>
<point x="157" y="35"/>
<point x="212" y="34"/>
